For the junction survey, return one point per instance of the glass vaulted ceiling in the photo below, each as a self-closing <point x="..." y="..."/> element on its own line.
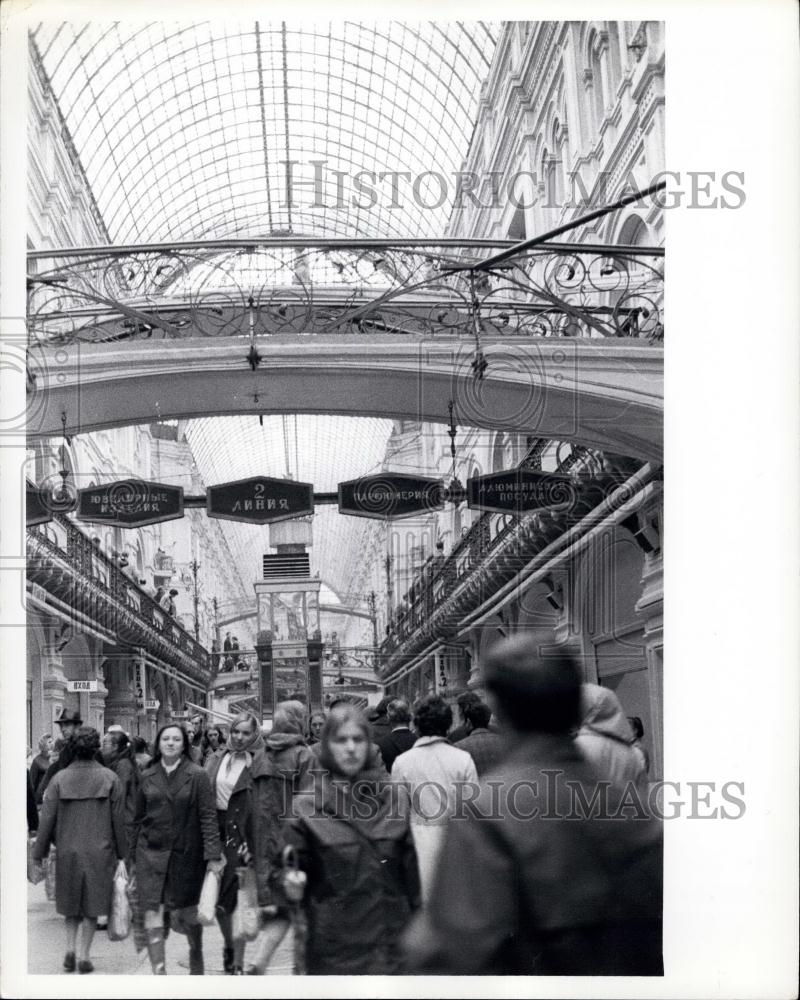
<point x="184" y="130"/>
<point x="312" y="449"/>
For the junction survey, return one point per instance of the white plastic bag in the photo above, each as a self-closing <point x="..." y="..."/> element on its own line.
<point x="119" y="917"/>
<point x="50" y="875"/>
<point x="209" y="894"/>
<point x="245" y="916"/>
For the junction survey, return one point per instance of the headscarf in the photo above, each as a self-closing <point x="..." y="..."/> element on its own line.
<point x="602" y="713"/>
<point x="288" y="725"/>
<point x="255" y="743"/>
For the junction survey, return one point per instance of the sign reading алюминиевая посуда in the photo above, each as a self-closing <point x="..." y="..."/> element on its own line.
<point x="518" y="490"/>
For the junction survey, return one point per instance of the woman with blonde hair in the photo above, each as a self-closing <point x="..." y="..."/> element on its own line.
<point x="232" y="783"/>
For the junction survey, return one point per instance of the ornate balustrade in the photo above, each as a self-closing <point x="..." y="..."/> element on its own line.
<point x="285" y="287"/>
<point x="76" y="575"/>
<point x="493" y="551"/>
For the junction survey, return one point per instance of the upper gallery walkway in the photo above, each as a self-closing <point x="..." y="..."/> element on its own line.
<point x="563" y="338"/>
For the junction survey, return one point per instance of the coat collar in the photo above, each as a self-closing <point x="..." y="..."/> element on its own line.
<point x="425" y="741"/>
<point x="172" y="784"/>
<point x="245" y="776"/>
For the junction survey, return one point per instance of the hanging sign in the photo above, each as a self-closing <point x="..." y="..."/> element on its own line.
<point x="389" y="495"/>
<point x="260" y="500"/>
<point x="130" y="503"/>
<point x="82" y="685"/>
<point x="36" y="512"/>
<point x="151" y="705"/>
<point x="519" y="490"/>
<point x="140" y="684"/>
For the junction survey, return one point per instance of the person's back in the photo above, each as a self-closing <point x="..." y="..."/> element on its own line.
<point x="605" y="737"/>
<point x="565" y="876"/>
<point x="400" y="738"/>
<point x="486" y="747"/>
<point x="431" y="774"/>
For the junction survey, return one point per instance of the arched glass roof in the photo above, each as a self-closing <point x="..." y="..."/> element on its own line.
<point x="185" y="130"/>
<point x="321" y="450"/>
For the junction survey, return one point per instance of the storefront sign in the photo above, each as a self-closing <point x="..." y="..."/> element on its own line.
<point x="180" y="715"/>
<point x="140" y="684"/>
<point x="260" y="500"/>
<point x="36" y="512"/>
<point x="130" y="503"/>
<point x="389" y="495"/>
<point x="151" y="705"/>
<point x="519" y="490"/>
<point x="81" y="685"/>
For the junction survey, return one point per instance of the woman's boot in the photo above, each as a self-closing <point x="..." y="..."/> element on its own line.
<point x="195" y="935"/>
<point x="155" y="950"/>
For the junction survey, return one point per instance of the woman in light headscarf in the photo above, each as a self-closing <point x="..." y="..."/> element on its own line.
<point x="281" y="772"/>
<point x="605" y="738"/>
<point x="232" y="783"/>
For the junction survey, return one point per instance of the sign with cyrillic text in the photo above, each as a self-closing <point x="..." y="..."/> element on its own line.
<point x="389" y="495"/>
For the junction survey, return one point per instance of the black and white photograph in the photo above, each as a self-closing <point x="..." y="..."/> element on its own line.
<point x="344" y="580"/>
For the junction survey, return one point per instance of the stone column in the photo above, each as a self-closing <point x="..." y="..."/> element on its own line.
<point x="120" y="702"/>
<point x="97" y="704"/>
<point x="54" y="684"/>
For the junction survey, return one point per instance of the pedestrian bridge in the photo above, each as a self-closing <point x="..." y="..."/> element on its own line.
<point x="563" y="340"/>
<point x="605" y="394"/>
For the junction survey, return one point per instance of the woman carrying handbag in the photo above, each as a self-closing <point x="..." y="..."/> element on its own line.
<point x="177" y="841"/>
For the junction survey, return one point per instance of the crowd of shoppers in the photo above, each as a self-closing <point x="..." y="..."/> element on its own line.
<point x="355" y="831"/>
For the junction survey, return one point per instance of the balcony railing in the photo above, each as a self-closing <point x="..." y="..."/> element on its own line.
<point x="288" y="287"/>
<point x="494" y="549"/>
<point x="78" y="577"/>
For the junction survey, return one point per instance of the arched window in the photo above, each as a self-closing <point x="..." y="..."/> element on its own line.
<point x="634" y="232"/>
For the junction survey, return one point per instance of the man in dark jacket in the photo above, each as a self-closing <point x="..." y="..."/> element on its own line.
<point x="560" y="883"/>
<point x="484" y="746"/>
<point x="400" y="738"/>
<point x="379" y="720"/>
<point x="463" y="702"/>
<point x="68" y="723"/>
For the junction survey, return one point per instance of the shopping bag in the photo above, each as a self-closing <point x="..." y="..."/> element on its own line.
<point x="294" y="886"/>
<point x="245" y="916"/>
<point x="183" y="919"/>
<point x="137" y="916"/>
<point x="207" y="907"/>
<point x="35" y="867"/>
<point x="50" y="875"/>
<point x="119" y="917"/>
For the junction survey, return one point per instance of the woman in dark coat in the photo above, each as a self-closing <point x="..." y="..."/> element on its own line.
<point x="117" y="754"/>
<point x="358" y="854"/>
<point x="82" y="812"/>
<point x="177" y="840"/>
<point x="232" y="784"/>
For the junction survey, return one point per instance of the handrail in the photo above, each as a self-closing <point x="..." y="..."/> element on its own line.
<point x="103" y="578"/>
